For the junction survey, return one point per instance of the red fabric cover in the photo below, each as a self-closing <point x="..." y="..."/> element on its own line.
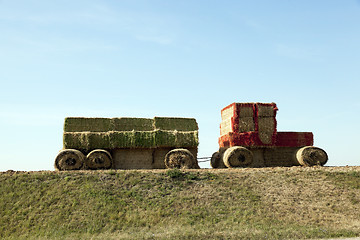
<point x="240" y="139"/>
<point x="282" y="139"/>
<point x="294" y="139"/>
<point x="279" y="139"/>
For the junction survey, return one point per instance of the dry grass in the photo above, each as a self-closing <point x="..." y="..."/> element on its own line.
<point x="272" y="203"/>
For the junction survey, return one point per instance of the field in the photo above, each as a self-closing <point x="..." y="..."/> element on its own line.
<point x="261" y="203"/>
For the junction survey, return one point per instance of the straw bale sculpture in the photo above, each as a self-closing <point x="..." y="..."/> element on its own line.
<point x="249" y="138"/>
<point x="128" y="143"/>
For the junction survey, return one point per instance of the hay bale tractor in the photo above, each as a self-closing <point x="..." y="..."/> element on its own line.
<point x="249" y="138"/>
<point x="128" y="143"/>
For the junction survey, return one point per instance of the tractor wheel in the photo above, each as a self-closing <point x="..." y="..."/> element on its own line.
<point x="180" y="158"/>
<point x="237" y="157"/>
<point x="69" y="159"/>
<point x="311" y="156"/>
<point x="98" y="159"/>
<point x="216" y="161"/>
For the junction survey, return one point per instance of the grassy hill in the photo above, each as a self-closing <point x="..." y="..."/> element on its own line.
<point x="264" y="203"/>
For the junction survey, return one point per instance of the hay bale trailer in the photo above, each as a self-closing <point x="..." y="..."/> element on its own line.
<point x="128" y="143"/>
<point x="249" y="138"/>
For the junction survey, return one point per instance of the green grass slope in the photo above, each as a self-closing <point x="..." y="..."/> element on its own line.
<point x="264" y="203"/>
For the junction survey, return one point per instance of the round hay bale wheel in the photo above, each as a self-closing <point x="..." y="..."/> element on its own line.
<point x="98" y="159"/>
<point x="216" y="161"/>
<point x="311" y="156"/>
<point x="180" y="158"/>
<point x="69" y="159"/>
<point x="237" y="157"/>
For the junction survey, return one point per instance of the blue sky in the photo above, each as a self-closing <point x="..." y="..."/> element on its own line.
<point x="176" y="58"/>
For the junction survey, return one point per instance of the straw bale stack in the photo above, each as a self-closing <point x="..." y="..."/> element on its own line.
<point x="250" y="117"/>
<point x="109" y="133"/>
<point x="246" y="114"/>
<point x="266" y="113"/>
<point x="121" y="139"/>
<point x="127" y="143"/>
<point x="237" y="117"/>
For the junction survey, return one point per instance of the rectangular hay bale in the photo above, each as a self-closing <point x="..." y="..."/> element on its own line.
<point x="145" y="139"/>
<point x="266" y="109"/>
<point x="179" y="124"/>
<point x="246" y="124"/>
<point x="81" y="124"/>
<point x="130" y="124"/>
<point x="228" y="112"/>
<point x="226" y="127"/>
<point x="246" y="111"/>
<point x="165" y="138"/>
<point x="133" y="158"/>
<point x="86" y="140"/>
<point x="73" y="141"/>
<point x="187" y="139"/>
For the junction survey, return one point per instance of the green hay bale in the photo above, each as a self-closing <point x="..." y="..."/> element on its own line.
<point x="132" y="139"/>
<point x="86" y="140"/>
<point x="145" y="139"/>
<point x="130" y="124"/>
<point x="74" y="141"/>
<point x="176" y="139"/>
<point x="79" y="124"/>
<point x="97" y="140"/>
<point x="165" y="138"/>
<point x="179" y="124"/>
<point x="187" y="139"/>
<point x="122" y="139"/>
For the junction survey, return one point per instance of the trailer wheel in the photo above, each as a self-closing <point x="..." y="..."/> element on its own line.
<point x="98" y="159"/>
<point x="311" y="156"/>
<point x="237" y="157"/>
<point x="180" y="158"/>
<point x="69" y="159"/>
<point x="216" y="161"/>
